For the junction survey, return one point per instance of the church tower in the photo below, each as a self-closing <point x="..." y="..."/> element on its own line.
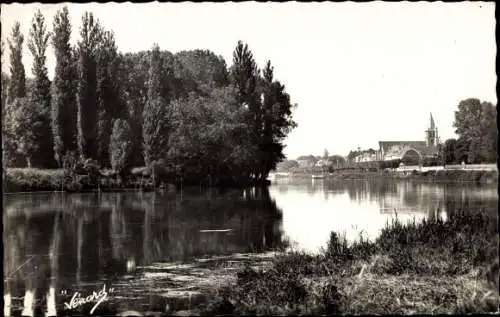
<point x="432" y="134"/>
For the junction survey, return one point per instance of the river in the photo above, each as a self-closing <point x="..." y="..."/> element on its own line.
<point x="145" y="248"/>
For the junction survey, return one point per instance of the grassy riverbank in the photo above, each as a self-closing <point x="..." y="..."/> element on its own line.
<point x="36" y="180"/>
<point x="478" y="176"/>
<point x="32" y="180"/>
<point x="431" y="267"/>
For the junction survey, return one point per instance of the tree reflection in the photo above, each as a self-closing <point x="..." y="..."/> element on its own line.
<point x="75" y="242"/>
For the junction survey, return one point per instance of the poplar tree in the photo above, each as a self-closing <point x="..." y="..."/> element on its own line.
<point x="90" y="33"/>
<point x="5" y="84"/>
<point x="17" y="88"/>
<point x="15" y="98"/>
<point x="155" y="125"/>
<point x="267" y="145"/>
<point x="107" y="93"/>
<point x="244" y="77"/>
<point x="64" y="110"/>
<point x="42" y="151"/>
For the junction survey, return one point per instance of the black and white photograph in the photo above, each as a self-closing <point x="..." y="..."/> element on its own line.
<point x="249" y="158"/>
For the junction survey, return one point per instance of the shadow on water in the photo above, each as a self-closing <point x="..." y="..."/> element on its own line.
<point x="58" y="244"/>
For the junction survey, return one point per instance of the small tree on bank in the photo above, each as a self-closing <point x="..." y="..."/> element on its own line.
<point x="25" y="124"/>
<point x="120" y="144"/>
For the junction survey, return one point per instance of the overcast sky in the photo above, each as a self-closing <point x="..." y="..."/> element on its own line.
<point x="360" y="72"/>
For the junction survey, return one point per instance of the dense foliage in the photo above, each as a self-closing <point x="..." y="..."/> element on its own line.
<point x="203" y="121"/>
<point x="477" y="142"/>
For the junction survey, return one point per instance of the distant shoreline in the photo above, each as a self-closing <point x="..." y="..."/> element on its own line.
<point x="455" y="175"/>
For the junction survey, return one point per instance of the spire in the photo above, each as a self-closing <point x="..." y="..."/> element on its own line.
<point x="433" y="126"/>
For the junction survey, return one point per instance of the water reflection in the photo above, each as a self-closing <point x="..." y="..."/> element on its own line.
<point x="57" y="243"/>
<point x="312" y="209"/>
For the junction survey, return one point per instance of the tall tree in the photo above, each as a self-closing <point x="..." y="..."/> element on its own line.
<point x="16" y="91"/>
<point x="267" y="147"/>
<point x="155" y="120"/>
<point x="5" y="84"/>
<point x="4" y="80"/>
<point x="90" y="33"/>
<point x="42" y="152"/>
<point x="64" y="109"/>
<point x="17" y="88"/>
<point x="244" y="77"/>
<point x="277" y="119"/>
<point x="133" y="77"/>
<point x="107" y="93"/>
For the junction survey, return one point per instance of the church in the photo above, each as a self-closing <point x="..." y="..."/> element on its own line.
<point x="413" y="151"/>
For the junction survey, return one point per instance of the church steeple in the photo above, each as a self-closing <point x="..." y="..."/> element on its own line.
<point x="432" y="133"/>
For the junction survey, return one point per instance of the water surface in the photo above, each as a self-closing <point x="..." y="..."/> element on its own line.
<point x="135" y="243"/>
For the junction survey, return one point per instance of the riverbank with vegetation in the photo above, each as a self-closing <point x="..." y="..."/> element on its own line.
<point x="431" y="267"/>
<point x="34" y="180"/>
<point x="478" y="176"/>
<point x="140" y="179"/>
<point x="465" y="175"/>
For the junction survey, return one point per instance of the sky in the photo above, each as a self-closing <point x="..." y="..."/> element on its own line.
<point x="359" y="72"/>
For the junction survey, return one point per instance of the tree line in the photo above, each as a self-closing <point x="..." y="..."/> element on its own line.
<point x="187" y="112"/>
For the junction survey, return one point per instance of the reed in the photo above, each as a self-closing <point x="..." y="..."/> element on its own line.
<point x="434" y="266"/>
